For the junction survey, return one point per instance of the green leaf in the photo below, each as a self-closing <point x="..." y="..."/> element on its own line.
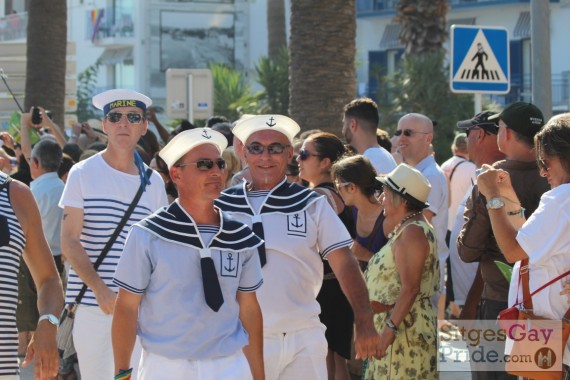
<point x="505" y="269"/>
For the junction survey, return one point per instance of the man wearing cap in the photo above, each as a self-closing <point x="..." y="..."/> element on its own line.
<point x="518" y="123"/>
<point x="415" y="132"/>
<point x="359" y="125"/>
<point x="188" y="277"/>
<point x="96" y="196"/>
<point x="299" y="229"/>
<point x="482" y="149"/>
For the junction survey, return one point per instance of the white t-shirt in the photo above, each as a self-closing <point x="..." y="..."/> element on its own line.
<point x="381" y="159"/>
<point x="463" y="178"/>
<point x="545" y="237"/>
<point x="104" y="194"/>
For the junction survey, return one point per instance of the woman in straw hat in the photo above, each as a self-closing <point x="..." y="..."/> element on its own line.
<point x="401" y="278"/>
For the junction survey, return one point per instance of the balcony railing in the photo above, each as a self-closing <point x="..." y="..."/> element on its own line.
<point x="14" y="26"/>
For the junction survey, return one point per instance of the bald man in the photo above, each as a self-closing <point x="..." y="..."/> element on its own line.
<point x="415" y="132"/>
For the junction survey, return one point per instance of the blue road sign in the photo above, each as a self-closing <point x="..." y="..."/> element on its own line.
<point x="479" y="59"/>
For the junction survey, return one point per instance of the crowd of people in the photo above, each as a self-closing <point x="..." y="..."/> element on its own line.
<point x="246" y="250"/>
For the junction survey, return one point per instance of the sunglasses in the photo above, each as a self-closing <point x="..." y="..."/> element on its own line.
<point x="338" y="185"/>
<point x="132" y="117"/>
<point x="257" y="148"/>
<point x="304" y="154"/>
<point x="205" y="164"/>
<point x="408" y="132"/>
<point x="542" y="165"/>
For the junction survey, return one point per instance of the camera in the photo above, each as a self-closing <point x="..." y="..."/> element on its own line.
<point x="36" y="116"/>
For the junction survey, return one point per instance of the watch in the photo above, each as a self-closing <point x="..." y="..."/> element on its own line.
<point x="495" y="203"/>
<point x="51" y="319"/>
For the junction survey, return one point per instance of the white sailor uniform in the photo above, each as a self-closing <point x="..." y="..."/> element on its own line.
<point x="300" y="229"/>
<point x="161" y="261"/>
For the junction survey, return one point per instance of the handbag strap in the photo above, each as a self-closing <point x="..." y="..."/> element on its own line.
<point x="116" y="233"/>
<point x="527" y="296"/>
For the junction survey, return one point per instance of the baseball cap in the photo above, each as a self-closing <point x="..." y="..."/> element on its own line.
<point x="111" y="99"/>
<point x="279" y="123"/>
<point x="187" y="140"/>
<point x="480" y="120"/>
<point x="521" y="117"/>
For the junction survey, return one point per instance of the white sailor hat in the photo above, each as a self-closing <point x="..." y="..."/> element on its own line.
<point x="185" y="141"/>
<point x="278" y="123"/>
<point x="111" y="99"/>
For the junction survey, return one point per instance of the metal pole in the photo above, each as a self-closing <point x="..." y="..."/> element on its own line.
<point x="540" y="51"/>
<point x="190" y="100"/>
<point x="478" y="100"/>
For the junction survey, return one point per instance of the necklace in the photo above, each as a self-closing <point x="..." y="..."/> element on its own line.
<point x="391" y="234"/>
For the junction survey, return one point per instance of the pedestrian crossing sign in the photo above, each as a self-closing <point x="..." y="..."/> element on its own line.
<point x="479" y="59"/>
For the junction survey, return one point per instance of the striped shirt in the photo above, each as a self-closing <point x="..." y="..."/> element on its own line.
<point x="12" y="243"/>
<point x="104" y="194"/>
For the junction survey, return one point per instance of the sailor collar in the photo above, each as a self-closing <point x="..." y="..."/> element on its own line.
<point x="285" y="198"/>
<point x="172" y="223"/>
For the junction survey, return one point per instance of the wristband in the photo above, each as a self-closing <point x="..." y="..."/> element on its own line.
<point x="519" y="212"/>
<point x="124" y="374"/>
<point x="392" y="326"/>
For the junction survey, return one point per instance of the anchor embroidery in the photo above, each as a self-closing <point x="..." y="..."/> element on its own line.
<point x="296" y="224"/>
<point x="271" y="123"/>
<point x="229" y="267"/>
<point x="205" y="134"/>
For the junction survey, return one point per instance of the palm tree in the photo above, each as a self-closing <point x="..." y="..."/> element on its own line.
<point x="322" y="61"/>
<point x="423" y="25"/>
<point x="46" y="52"/>
<point x="276" y="33"/>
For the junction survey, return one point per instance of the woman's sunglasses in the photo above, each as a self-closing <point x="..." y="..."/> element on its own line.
<point x="304" y="154"/>
<point x="205" y="164"/>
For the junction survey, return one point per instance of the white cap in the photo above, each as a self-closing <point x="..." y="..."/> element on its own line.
<point x="278" y="123"/>
<point x="110" y="99"/>
<point x="185" y="141"/>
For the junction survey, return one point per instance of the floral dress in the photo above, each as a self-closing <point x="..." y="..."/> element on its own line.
<point x="414" y="351"/>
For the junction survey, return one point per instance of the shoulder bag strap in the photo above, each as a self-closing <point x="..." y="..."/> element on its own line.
<point x="116" y="233"/>
<point x="527" y="296"/>
<point x="455" y="167"/>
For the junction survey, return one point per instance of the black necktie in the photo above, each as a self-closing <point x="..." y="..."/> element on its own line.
<point x="212" y="290"/>
<point x="258" y="230"/>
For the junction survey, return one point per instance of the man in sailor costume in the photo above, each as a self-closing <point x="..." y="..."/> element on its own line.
<point x="188" y="277"/>
<point x="299" y="228"/>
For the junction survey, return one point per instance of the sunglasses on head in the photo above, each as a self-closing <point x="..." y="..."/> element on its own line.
<point x="304" y="154"/>
<point x="205" y="164"/>
<point x="132" y="117"/>
<point x="408" y="132"/>
<point x="257" y="148"/>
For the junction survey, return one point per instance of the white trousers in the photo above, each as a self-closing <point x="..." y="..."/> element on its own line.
<point x="296" y="355"/>
<point x="92" y="340"/>
<point x="156" y="367"/>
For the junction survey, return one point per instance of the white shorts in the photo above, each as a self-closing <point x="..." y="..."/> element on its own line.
<point x="233" y="367"/>
<point x="92" y="340"/>
<point x="296" y="355"/>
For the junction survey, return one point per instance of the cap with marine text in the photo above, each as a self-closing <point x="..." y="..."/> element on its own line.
<point x="111" y="99"/>
<point x="480" y="120"/>
<point x="524" y="118"/>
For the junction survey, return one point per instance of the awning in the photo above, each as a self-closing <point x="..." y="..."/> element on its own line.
<point x="522" y="28"/>
<point x="461" y="21"/>
<point x="390" y="37"/>
<point x="113" y="56"/>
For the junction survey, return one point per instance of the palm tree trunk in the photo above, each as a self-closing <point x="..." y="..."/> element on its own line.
<point x="46" y="52"/>
<point x="322" y="63"/>
<point x="276" y="33"/>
